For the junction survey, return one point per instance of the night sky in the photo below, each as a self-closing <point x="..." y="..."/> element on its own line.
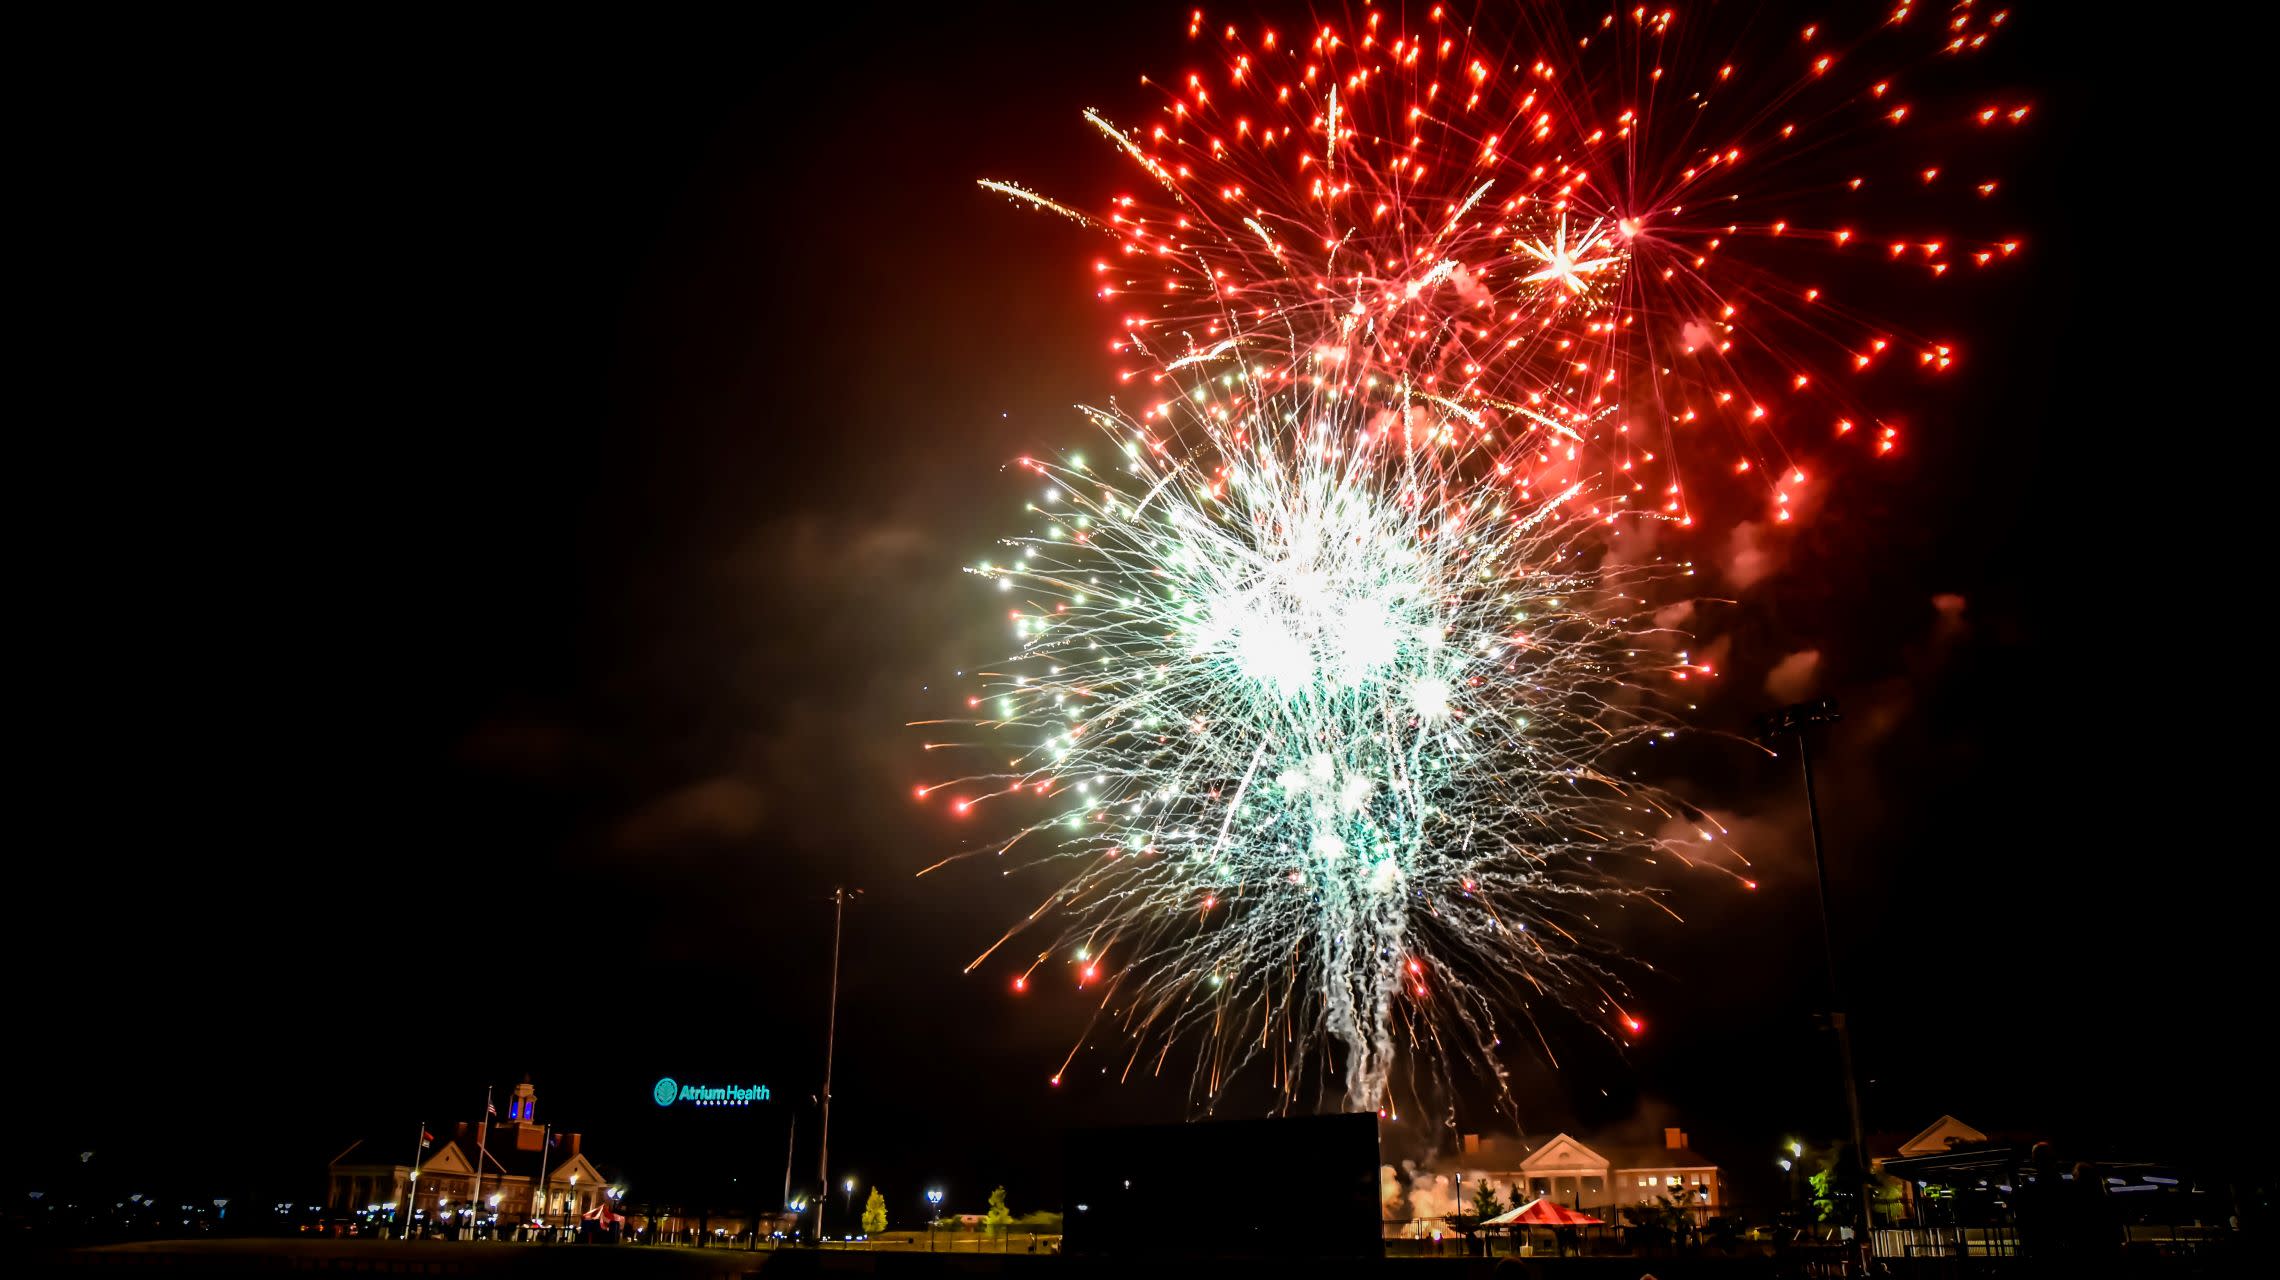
<point x="501" y="489"/>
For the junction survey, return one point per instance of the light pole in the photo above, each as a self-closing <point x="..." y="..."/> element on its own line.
<point x="839" y="897"/>
<point x="1796" y="722"/>
<point x="934" y="1214"/>
<point x="847" y="1201"/>
<point x="1788" y="1165"/>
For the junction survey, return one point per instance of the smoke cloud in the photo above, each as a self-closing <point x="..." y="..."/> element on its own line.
<point x="1952" y="624"/>
<point x="1794" y="676"/>
<point x="716" y="809"/>
<point x="1423" y="1200"/>
<point x="1751" y="555"/>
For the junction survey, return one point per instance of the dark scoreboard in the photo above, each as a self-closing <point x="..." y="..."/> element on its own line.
<point x="1179" y="1191"/>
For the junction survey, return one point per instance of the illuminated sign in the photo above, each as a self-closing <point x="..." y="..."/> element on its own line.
<point x="669" y="1091"/>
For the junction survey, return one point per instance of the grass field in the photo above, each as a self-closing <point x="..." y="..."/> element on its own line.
<point x="253" y="1256"/>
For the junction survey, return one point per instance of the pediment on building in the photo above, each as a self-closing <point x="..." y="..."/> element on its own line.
<point x="587" y="1174"/>
<point x="1945" y="1132"/>
<point x="447" y="1159"/>
<point x="1564" y="1154"/>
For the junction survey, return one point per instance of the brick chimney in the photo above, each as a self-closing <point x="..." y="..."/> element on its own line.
<point x="1472" y="1143"/>
<point x="1673" y="1139"/>
<point x="569" y="1145"/>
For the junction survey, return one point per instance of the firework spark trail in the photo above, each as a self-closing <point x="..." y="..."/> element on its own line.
<point x="1019" y="192"/>
<point x="1637" y="214"/>
<point x="1330" y="684"/>
<point x="1320" y="722"/>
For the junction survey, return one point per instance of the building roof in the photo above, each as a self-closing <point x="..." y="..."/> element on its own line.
<point x="1947" y="1134"/>
<point x="1644" y="1157"/>
<point x="1944" y="1133"/>
<point x="496" y="1161"/>
<point x="526" y="1164"/>
<point x="1978" y="1158"/>
<point x="1564" y="1152"/>
<point x="364" y="1154"/>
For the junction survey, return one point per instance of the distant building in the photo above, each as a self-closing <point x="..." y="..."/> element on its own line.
<point x="1600" y="1178"/>
<point x="1946" y="1132"/>
<point x="516" y="1154"/>
<point x="1948" y="1144"/>
<point x="1968" y="1193"/>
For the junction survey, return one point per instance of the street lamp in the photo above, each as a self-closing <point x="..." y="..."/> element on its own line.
<point x="848" y="1198"/>
<point x="1788" y="1163"/>
<point x="934" y="1201"/>
<point x="1796" y="721"/>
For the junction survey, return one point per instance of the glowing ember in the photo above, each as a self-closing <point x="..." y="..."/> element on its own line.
<point x="1337" y="644"/>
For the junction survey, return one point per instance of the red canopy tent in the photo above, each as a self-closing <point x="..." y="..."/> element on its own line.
<point x="1542" y="1212"/>
<point x="604" y="1214"/>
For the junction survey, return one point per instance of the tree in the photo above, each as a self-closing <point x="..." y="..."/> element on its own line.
<point x="1485" y="1205"/>
<point x="1884" y="1200"/>
<point x="1837" y="1183"/>
<point x="999" y="1217"/>
<point x="874" y="1214"/>
<point x="1826" y="1192"/>
<point x="1659" y="1222"/>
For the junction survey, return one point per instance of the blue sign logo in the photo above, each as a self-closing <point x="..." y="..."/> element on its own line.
<point x="670" y="1091"/>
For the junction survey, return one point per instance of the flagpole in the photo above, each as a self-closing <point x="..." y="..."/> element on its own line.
<point x="791" y="1142"/>
<point x="412" y="1191"/>
<point x="540" y="1203"/>
<point x="482" y="1138"/>
<point x="830" y="1035"/>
